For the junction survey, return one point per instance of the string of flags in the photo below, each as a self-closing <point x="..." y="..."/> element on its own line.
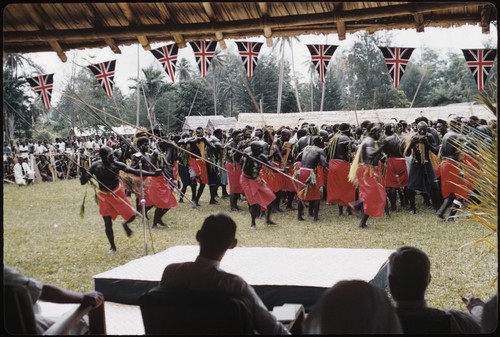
<point x="479" y="61"/>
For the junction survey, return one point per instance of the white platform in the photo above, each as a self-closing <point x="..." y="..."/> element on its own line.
<point x="317" y="267"/>
<point x="314" y="267"/>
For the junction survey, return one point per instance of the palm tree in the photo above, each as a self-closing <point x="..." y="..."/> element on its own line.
<point x="313" y="76"/>
<point x="281" y="44"/>
<point x="184" y="70"/>
<point x="153" y="89"/>
<point x="217" y="63"/>
<point x="14" y="97"/>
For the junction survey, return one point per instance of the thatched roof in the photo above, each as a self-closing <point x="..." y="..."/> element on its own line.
<point x="192" y="122"/>
<point x="63" y="26"/>
<point x="223" y="124"/>
<point x="356" y="117"/>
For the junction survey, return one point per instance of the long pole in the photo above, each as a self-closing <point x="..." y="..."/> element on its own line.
<point x="137" y="88"/>
<point x="143" y="208"/>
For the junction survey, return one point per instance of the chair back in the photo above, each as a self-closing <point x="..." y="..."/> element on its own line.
<point x="177" y="311"/>
<point x="19" y="318"/>
<point x="425" y="323"/>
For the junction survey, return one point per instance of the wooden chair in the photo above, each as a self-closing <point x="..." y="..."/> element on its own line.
<point x="19" y="318"/>
<point x="177" y="311"/>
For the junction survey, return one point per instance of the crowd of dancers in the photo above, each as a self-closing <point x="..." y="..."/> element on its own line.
<point x="370" y="170"/>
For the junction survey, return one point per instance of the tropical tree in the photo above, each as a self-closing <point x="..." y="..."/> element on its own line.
<point x="216" y="65"/>
<point x="184" y="70"/>
<point x="366" y="82"/>
<point x="281" y="45"/>
<point x="313" y="78"/>
<point x="18" y="114"/>
<point x="153" y="88"/>
<point x="230" y="84"/>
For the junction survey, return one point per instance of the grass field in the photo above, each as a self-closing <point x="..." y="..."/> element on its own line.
<point x="44" y="237"/>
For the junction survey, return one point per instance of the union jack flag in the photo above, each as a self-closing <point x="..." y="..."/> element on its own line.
<point x="321" y="55"/>
<point x="204" y="51"/>
<point x="105" y="74"/>
<point x="167" y="55"/>
<point x="249" y="52"/>
<point x="43" y="85"/>
<point x="480" y="62"/>
<point x="396" y="60"/>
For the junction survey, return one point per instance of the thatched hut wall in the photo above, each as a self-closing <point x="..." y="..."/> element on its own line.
<point x="356" y="117"/>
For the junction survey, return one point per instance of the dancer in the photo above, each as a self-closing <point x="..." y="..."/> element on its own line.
<point x="309" y="162"/>
<point x="421" y="176"/>
<point x="160" y="187"/>
<point x="111" y="197"/>
<point x="340" y="190"/>
<point x="258" y="194"/>
<point x="233" y="167"/>
<point x="365" y="172"/>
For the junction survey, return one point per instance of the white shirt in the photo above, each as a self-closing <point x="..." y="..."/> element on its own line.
<point x="23" y="151"/>
<point x="205" y="274"/>
<point x="18" y="174"/>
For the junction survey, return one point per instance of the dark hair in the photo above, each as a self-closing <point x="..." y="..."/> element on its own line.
<point x="410" y="268"/>
<point x="217" y="232"/>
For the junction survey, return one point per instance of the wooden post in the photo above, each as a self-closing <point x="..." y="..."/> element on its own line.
<point x="53" y="166"/>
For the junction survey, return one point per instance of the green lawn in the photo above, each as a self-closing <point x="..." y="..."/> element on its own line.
<point x="44" y="237"/>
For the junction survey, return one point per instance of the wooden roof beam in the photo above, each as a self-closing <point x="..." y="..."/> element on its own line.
<point x="110" y="42"/>
<point x="211" y="14"/>
<point x="57" y="48"/>
<point x="264" y="13"/>
<point x="488" y="14"/>
<point x="160" y="30"/>
<point x="38" y="18"/>
<point x="419" y="22"/>
<point x="114" y="47"/>
<point x="129" y="15"/>
<point x="165" y="13"/>
<point x="340" y="26"/>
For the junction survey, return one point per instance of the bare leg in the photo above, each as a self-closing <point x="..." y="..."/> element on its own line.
<point x="108" y="229"/>
<point x="127" y="229"/>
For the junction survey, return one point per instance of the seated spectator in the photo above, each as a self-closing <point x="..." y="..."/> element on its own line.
<point x="489" y="323"/>
<point x="20" y="173"/>
<point x="215" y="237"/>
<point x="353" y="307"/>
<point x="51" y="293"/>
<point x="408" y="276"/>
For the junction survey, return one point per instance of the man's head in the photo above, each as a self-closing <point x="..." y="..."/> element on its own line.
<point x="217" y="234"/>
<point x="200" y="132"/>
<point x="143" y="144"/>
<point x="256" y="148"/>
<point x="422" y="128"/>
<point x="345" y="128"/>
<point x="106" y="154"/>
<point x="218" y="134"/>
<point x="409" y="273"/>
<point x="285" y="135"/>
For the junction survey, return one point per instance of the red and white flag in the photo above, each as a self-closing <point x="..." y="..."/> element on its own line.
<point x="249" y="52"/>
<point x="321" y="55"/>
<point x="204" y="52"/>
<point x="480" y="62"/>
<point x="167" y="55"/>
<point x="396" y="60"/>
<point x="105" y="74"/>
<point x="43" y="85"/>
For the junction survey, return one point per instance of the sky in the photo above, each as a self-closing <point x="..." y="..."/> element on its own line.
<point x="443" y="40"/>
